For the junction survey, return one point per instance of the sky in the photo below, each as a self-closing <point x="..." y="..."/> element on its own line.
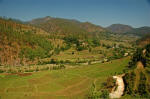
<point x="101" y="12"/>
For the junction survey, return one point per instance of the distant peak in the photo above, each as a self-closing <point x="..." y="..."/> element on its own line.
<point x="48" y="18"/>
<point x="119" y="28"/>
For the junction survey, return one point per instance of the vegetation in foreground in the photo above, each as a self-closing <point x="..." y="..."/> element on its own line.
<point x="74" y="82"/>
<point x="71" y="43"/>
<point x="136" y="76"/>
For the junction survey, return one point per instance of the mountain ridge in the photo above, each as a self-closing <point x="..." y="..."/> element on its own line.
<point x="119" y="28"/>
<point x="61" y="25"/>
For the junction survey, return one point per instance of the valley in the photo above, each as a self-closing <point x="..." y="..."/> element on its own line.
<point x="56" y="58"/>
<point x="66" y="83"/>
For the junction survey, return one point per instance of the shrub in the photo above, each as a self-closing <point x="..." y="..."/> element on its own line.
<point x="1" y="71"/>
<point x="68" y="61"/>
<point x="96" y="42"/>
<point x="72" y="40"/>
<point x="53" y="61"/>
<point x="142" y="86"/>
<point x="129" y="80"/>
<point x="110" y="83"/>
<point x="104" y="94"/>
<point x="80" y="48"/>
<point x="57" y="51"/>
<point x="62" y="66"/>
<point x="61" y="61"/>
<point x="37" y="69"/>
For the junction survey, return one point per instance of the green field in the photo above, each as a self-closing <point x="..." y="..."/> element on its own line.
<point x="71" y="83"/>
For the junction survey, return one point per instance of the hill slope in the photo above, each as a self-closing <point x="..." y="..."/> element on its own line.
<point x="144" y="40"/>
<point x="42" y="38"/>
<point x="20" y="44"/>
<point x="138" y="76"/>
<point x="128" y="30"/>
<point x="65" y="26"/>
<point x="119" y="28"/>
<point x="142" y="31"/>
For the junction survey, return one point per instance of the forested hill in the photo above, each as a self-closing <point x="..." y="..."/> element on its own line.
<point x="137" y="77"/>
<point x="119" y="28"/>
<point x="142" y="31"/>
<point x="65" y="26"/>
<point x="128" y="30"/>
<point x="20" y="44"/>
<point x="23" y="43"/>
<point x="143" y="41"/>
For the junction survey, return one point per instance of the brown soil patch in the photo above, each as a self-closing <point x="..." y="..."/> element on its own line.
<point x="140" y="65"/>
<point x="19" y="74"/>
<point x="25" y="74"/>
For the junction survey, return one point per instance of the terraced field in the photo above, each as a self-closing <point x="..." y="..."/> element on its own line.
<point x="71" y="83"/>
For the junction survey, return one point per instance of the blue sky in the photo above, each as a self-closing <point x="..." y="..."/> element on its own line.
<point x="101" y="12"/>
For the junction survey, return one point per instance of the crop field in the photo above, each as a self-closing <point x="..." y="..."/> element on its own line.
<point x="72" y="83"/>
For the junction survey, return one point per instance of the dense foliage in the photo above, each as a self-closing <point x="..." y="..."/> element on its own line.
<point x="141" y="54"/>
<point x="23" y="41"/>
<point x="137" y="79"/>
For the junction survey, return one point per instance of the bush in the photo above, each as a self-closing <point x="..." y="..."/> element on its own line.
<point x="1" y="71"/>
<point x="68" y="61"/>
<point x="110" y="83"/>
<point x="57" y="50"/>
<point x="129" y="80"/>
<point x="96" y="42"/>
<point x="62" y="66"/>
<point x="37" y="69"/>
<point x="53" y="61"/>
<point x="94" y="94"/>
<point x="71" y="40"/>
<point x="104" y="94"/>
<point x="80" y="48"/>
<point x="137" y="56"/>
<point x="142" y="86"/>
<point x="61" y="61"/>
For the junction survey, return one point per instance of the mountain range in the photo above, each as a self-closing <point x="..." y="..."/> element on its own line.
<point x="126" y="29"/>
<point x="22" y="42"/>
<point x="67" y="26"/>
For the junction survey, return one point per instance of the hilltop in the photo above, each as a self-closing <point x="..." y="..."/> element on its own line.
<point x="65" y="27"/>
<point x="119" y="28"/>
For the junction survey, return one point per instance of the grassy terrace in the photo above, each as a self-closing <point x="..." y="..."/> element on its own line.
<point x="74" y="83"/>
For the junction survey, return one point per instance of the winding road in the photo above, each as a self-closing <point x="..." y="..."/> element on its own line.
<point x="120" y="88"/>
